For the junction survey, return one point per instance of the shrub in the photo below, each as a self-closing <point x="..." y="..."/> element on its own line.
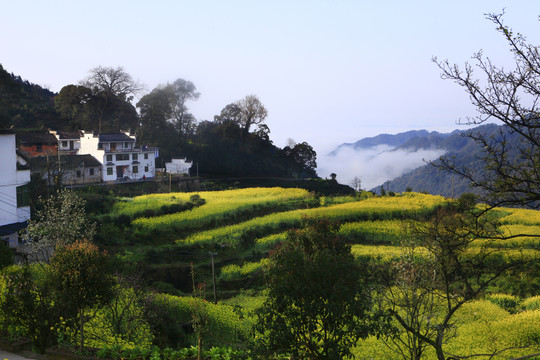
<point x="507" y="302"/>
<point x="532" y="303"/>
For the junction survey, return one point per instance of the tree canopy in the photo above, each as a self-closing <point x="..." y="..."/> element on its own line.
<point x="318" y="302"/>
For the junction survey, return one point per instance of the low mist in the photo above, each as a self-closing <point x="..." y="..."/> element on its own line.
<point x="375" y="165"/>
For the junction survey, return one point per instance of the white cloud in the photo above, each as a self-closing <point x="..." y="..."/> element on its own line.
<point x="374" y="165"/>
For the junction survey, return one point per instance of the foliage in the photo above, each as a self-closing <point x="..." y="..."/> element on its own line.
<point x="532" y="303"/>
<point x="24" y="104"/>
<point x="505" y="301"/>
<point x="233" y="271"/>
<point x="123" y="320"/>
<point x="61" y="221"/>
<point x="318" y="304"/>
<point x="81" y="279"/>
<point x="29" y="305"/>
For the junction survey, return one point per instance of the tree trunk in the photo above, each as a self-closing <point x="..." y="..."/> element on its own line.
<point x="81" y="315"/>
<point x="199" y="348"/>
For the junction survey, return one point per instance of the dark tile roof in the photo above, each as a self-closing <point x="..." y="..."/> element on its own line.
<point x="70" y="161"/>
<point x="65" y="135"/>
<point x="36" y="138"/>
<point x="115" y="137"/>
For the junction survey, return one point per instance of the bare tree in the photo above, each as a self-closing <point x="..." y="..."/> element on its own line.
<point x="252" y="112"/>
<point x="112" y="82"/>
<point x="356" y="183"/>
<point x="108" y="84"/>
<point x="443" y="269"/>
<point x="511" y="174"/>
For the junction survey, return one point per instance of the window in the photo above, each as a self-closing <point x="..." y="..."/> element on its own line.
<point x="146" y="169"/>
<point x="91" y="171"/>
<point x="135" y="169"/>
<point x="38" y="147"/>
<point x="126" y="145"/>
<point x="135" y="156"/>
<point x="64" y="143"/>
<point x="109" y="171"/>
<point x="146" y="156"/>
<point x="109" y="157"/>
<point x="121" y="157"/>
<point x="100" y="146"/>
<point x="23" y="196"/>
<point x="78" y="173"/>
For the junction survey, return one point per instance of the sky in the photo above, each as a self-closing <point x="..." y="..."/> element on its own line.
<point x="328" y="72"/>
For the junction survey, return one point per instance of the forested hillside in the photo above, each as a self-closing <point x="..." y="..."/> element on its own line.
<point x="23" y="104"/>
<point x="463" y="150"/>
<point x="236" y="143"/>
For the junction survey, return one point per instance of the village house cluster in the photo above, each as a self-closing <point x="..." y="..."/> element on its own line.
<point x="82" y="157"/>
<point x="68" y="158"/>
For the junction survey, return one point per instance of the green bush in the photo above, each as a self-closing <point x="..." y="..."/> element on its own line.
<point x="505" y="301"/>
<point x="532" y="303"/>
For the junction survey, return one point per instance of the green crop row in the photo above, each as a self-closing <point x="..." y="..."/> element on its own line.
<point x="225" y="206"/>
<point x="385" y="208"/>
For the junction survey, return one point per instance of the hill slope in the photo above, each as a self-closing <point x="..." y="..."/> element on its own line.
<point x="23" y="104"/>
<point x="464" y="151"/>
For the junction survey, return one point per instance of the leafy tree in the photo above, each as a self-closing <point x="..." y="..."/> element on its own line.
<point x="73" y="104"/>
<point x="28" y="300"/>
<point x="318" y="303"/>
<point x="510" y="176"/>
<point x="155" y="111"/>
<point x="303" y="158"/>
<point x="230" y="113"/>
<point x="81" y="279"/>
<point x="61" y="221"/>
<point x="183" y="91"/>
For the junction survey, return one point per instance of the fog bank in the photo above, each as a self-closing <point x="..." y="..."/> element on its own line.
<point x="375" y="165"/>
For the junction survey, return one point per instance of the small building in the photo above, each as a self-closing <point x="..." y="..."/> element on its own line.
<point x="120" y="157"/>
<point x="37" y="144"/>
<point x="72" y="170"/>
<point x="178" y="166"/>
<point x="14" y="194"/>
<point x="69" y="142"/>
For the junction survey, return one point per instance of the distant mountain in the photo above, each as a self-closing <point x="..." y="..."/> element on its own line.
<point x="391" y="140"/>
<point x="464" y="151"/>
<point x="402" y="161"/>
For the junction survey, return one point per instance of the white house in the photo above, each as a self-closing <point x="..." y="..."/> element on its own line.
<point x="14" y="196"/>
<point x="178" y="166"/>
<point x="69" y="142"/>
<point x="120" y="157"/>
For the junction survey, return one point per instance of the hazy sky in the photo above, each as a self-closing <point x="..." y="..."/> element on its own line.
<point x="327" y="71"/>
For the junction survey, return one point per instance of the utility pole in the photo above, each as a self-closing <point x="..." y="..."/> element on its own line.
<point x="213" y="276"/>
